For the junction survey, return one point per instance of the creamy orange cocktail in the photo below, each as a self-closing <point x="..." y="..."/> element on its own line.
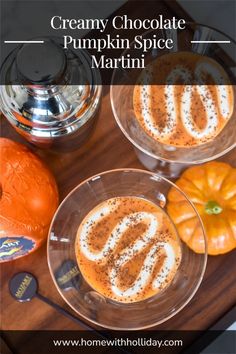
<point x="186" y="111"/>
<point x="127" y="249"/>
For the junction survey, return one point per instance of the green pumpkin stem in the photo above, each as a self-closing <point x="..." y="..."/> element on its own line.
<point x="213" y="208"/>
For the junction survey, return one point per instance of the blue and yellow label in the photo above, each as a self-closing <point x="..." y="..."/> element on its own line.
<point x="14" y="247"/>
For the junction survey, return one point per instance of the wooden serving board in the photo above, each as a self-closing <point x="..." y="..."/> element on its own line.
<point x="108" y="149"/>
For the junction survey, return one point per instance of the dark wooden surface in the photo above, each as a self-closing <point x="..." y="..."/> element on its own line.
<point x="107" y="149"/>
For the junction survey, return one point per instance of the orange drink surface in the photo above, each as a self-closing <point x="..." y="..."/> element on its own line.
<point x="127" y="249"/>
<point x="192" y="107"/>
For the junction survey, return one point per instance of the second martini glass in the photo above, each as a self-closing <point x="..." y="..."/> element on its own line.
<point x="166" y="159"/>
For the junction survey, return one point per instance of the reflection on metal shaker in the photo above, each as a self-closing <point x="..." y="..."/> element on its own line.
<point x="51" y="96"/>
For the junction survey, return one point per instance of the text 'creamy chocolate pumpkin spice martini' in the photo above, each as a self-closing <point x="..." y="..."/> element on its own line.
<point x="181" y="108"/>
<point x="133" y="270"/>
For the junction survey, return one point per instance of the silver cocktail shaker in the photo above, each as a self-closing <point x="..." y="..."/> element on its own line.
<point x="50" y="95"/>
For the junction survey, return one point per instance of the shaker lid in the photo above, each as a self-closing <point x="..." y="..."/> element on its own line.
<point x="47" y="87"/>
<point x="41" y="64"/>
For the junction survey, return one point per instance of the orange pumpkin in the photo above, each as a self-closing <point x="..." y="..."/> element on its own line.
<point x="212" y="189"/>
<point x="28" y="200"/>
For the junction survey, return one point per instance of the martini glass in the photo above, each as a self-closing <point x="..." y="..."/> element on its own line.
<point x="165" y="159"/>
<point x="80" y="296"/>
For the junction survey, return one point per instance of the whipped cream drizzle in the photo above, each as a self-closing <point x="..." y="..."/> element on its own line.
<point x="153" y="223"/>
<point x="143" y="277"/>
<point x="212" y="119"/>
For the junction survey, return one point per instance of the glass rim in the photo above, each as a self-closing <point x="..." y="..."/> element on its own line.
<point x="205" y="254"/>
<point x="149" y="153"/>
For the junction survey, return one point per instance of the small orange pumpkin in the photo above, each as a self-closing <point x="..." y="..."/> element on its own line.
<point x="212" y="189"/>
<point x="28" y="200"/>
